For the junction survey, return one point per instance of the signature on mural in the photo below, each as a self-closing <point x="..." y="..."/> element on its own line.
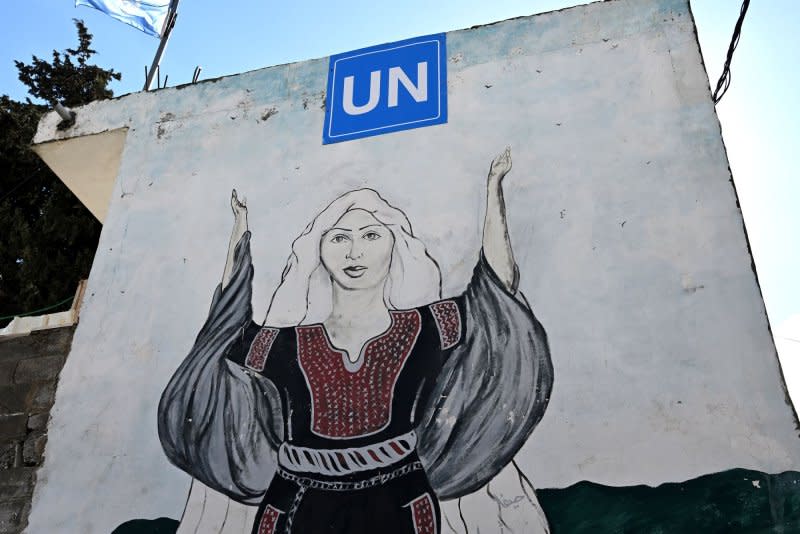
<point x="365" y="398"/>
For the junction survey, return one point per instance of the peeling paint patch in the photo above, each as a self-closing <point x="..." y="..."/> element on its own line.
<point x="166" y="125"/>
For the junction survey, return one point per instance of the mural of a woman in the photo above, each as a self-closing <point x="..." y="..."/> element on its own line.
<point x="364" y="398"/>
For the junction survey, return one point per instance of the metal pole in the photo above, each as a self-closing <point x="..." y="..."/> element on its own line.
<point x="63" y="112"/>
<point x="172" y="14"/>
<point x="66" y="114"/>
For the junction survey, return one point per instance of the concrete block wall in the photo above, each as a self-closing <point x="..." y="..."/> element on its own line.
<point x="29" y="369"/>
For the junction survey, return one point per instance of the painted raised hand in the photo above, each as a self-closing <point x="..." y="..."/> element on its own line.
<point x="239" y="207"/>
<point x="501" y="165"/>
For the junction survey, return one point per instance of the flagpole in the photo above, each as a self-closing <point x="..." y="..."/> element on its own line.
<point x="169" y="23"/>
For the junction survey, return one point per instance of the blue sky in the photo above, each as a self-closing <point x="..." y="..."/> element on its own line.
<point x="758" y="114"/>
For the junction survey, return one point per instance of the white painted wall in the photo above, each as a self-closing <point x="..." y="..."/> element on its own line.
<point x="623" y="220"/>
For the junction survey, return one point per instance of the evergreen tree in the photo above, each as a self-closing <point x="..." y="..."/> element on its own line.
<point x="48" y="237"/>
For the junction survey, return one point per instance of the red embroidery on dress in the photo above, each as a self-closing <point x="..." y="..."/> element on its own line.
<point x="269" y="521"/>
<point x="346" y="404"/>
<point x="448" y="321"/>
<point x="260" y="347"/>
<point x="424" y="515"/>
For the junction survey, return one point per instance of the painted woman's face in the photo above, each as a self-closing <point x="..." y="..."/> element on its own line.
<point x="357" y="251"/>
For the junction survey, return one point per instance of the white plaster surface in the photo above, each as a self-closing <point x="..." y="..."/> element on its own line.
<point x="622" y="215"/>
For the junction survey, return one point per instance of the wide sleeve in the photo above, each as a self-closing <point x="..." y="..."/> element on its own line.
<point x="239" y="348"/>
<point x="216" y="421"/>
<point x="491" y="392"/>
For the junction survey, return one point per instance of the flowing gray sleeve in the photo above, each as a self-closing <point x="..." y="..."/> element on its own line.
<point x="217" y="422"/>
<point x="491" y="392"/>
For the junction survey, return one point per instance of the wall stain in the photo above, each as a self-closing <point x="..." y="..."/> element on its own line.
<point x="269" y="113"/>
<point x="689" y="285"/>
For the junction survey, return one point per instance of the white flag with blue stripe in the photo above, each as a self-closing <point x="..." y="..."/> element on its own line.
<point x="146" y="15"/>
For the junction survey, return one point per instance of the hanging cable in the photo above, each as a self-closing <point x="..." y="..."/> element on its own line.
<point x="56" y="305"/>
<point x="725" y="78"/>
<point x="20" y="184"/>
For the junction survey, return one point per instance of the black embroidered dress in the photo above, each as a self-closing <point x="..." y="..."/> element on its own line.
<point x="432" y="409"/>
<point x="352" y="423"/>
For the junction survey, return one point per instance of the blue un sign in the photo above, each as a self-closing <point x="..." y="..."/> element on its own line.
<point x="386" y="88"/>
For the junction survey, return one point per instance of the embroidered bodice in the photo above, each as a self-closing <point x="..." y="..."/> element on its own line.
<point x="329" y="401"/>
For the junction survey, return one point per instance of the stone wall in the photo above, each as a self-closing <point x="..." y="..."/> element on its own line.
<point x="29" y="369"/>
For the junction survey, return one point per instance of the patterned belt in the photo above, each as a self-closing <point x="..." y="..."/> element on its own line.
<point x="377" y="480"/>
<point x="339" y="462"/>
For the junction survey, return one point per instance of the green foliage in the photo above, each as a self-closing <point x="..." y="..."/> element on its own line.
<point x="68" y="78"/>
<point x="48" y="237"/>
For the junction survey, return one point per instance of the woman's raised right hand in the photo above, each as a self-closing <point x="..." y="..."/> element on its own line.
<point x="239" y="207"/>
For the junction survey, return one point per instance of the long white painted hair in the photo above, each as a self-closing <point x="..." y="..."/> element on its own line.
<point x="304" y="295"/>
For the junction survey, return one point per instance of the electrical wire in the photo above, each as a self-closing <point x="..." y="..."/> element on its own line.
<point x="725" y="78"/>
<point x="8" y="194"/>
<point x="56" y="305"/>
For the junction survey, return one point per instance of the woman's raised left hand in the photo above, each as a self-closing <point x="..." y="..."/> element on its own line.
<point x="501" y="165"/>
